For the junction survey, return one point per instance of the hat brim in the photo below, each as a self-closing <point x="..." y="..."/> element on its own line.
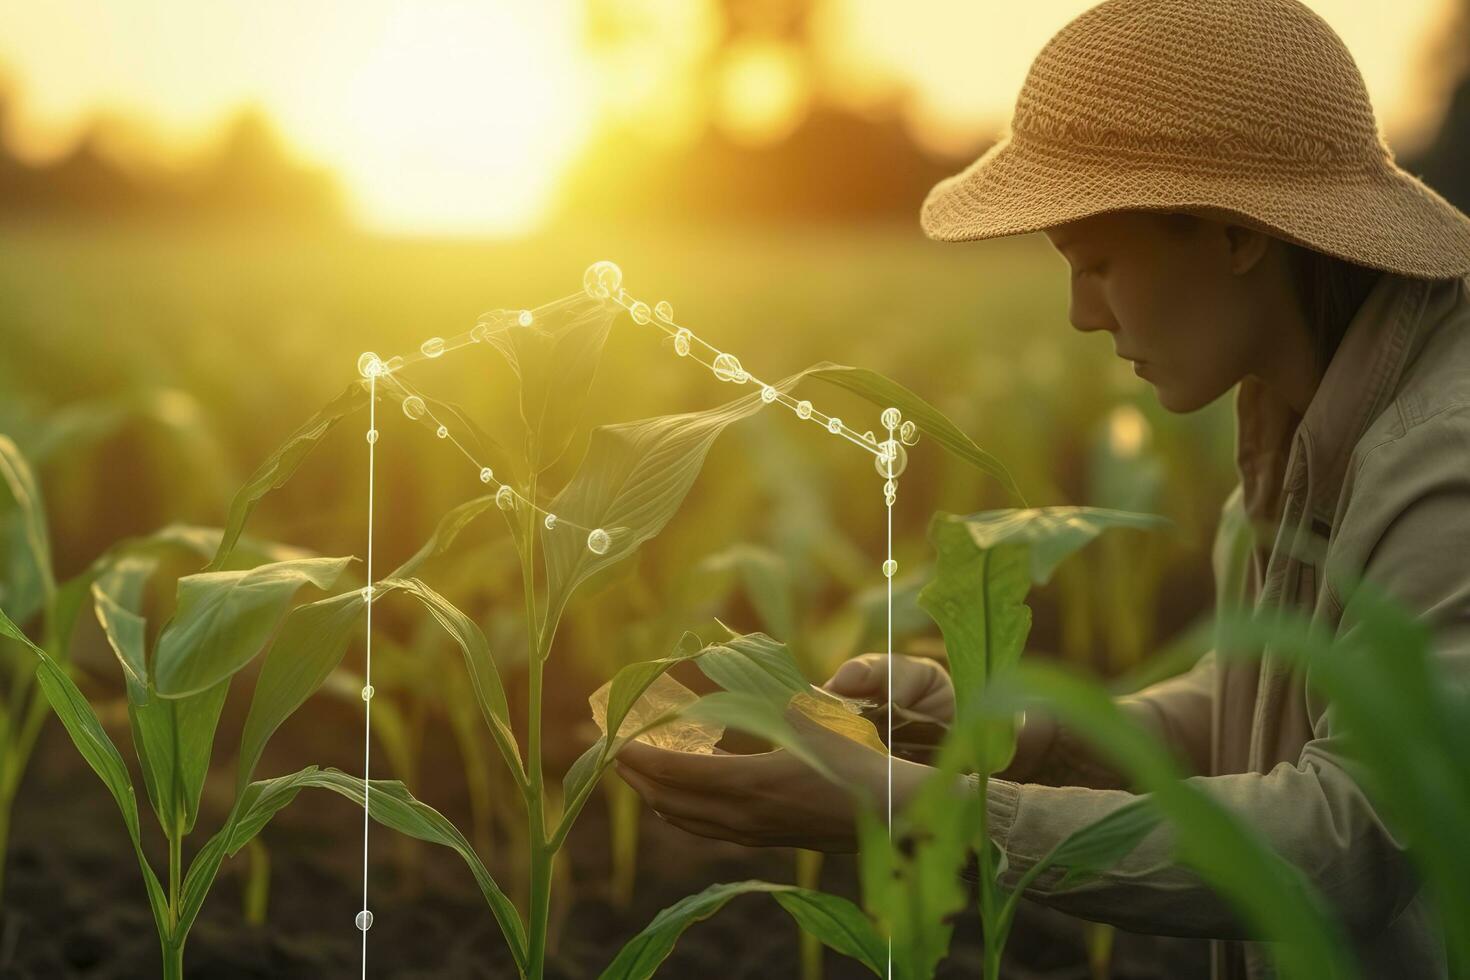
<point x="1385" y="218"/>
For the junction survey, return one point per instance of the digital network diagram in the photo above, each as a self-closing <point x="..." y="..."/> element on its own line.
<point x="602" y="283"/>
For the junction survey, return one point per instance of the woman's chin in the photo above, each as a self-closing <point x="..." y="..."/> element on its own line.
<point x="1180" y="399"/>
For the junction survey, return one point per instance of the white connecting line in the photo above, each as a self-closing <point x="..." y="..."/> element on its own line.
<point x="365" y="916"/>
<point x="602" y="281"/>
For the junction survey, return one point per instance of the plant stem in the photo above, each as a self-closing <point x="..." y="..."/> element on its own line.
<point x="173" y="961"/>
<point x="175" y="861"/>
<point x="994" y="941"/>
<point x="540" y="904"/>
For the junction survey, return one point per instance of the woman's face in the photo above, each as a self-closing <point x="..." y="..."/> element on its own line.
<point x="1182" y="304"/>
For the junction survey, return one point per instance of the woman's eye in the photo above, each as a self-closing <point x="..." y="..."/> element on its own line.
<point x="1096" y="268"/>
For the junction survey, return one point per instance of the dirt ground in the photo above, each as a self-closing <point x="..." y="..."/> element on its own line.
<point x="74" y="903"/>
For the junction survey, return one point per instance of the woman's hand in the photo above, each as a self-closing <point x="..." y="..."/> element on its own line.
<point x="770" y="799"/>
<point x="919" y="684"/>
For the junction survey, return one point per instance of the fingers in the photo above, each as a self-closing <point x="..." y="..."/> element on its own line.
<point x="675" y="802"/>
<point x="859" y="676"/>
<point x="867" y="676"/>
<point x="722" y="773"/>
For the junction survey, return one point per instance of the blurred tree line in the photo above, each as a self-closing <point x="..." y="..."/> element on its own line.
<point x="839" y="163"/>
<point x="1444" y="163"/>
<point x="833" y="162"/>
<point x="248" y="176"/>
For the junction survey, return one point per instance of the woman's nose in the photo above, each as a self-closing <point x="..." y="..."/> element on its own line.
<point x="1087" y="319"/>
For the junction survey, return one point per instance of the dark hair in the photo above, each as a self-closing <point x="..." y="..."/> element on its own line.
<point x="1329" y="290"/>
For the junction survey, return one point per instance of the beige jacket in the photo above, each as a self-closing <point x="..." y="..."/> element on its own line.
<point x="1379" y="470"/>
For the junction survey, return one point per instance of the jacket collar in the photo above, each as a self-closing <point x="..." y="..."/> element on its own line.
<point x="1279" y="452"/>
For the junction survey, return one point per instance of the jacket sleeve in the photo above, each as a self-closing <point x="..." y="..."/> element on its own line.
<point x="1177" y="711"/>
<point x="1415" y="523"/>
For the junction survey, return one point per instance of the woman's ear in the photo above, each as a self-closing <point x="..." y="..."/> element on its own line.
<point x="1246" y="246"/>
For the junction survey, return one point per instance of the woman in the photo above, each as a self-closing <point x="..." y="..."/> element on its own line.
<point x="1213" y="175"/>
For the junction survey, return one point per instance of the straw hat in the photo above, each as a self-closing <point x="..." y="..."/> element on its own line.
<point x="1252" y="110"/>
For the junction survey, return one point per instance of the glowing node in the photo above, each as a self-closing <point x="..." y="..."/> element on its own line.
<point x="890" y="418"/>
<point x="525" y="318"/>
<point x="681" y="342"/>
<point x="486" y="475"/>
<point x="727" y="368"/>
<point x="804" y="409"/>
<point x="414" y="407"/>
<point x="550" y="521"/>
<point x="834" y="425"/>
<point x="602" y="279"/>
<point x="639" y="312"/>
<point x="364" y="920"/>
<point x="889" y="567"/>
<point x="505" y="498"/>
<point x="598" y="541"/>
<point x="768" y="394"/>
<point x="908" y="433"/>
<point x="368" y="692"/>
<point x="664" y="310"/>
<point x="891" y="459"/>
<point x="372" y="436"/>
<point x="432" y="347"/>
<point x="367" y="593"/>
<point x="442" y="432"/>
<point x="368" y="365"/>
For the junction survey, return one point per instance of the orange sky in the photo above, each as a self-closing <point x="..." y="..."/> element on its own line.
<point x="460" y="116"/>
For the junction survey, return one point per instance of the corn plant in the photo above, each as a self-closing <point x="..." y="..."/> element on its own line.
<point x="221" y="617"/>
<point x="631" y="481"/>
<point x="912" y="874"/>
<point x="28" y="589"/>
<point x="1405" y="717"/>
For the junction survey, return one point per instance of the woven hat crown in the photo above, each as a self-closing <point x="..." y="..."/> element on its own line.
<point x="1227" y="83"/>
<point x="1247" y="110"/>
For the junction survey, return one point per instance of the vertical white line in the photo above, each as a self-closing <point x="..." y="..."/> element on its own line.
<point x="889" y="557"/>
<point x="367" y="701"/>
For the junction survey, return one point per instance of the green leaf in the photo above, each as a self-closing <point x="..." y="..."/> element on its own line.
<point x="223" y="620"/>
<point x="101" y="754"/>
<point x="986" y="564"/>
<point x="1099" y="846"/>
<point x="978" y="599"/>
<point x="932" y="423"/>
<point x="390" y="804"/>
<point x="312" y="642"/>
<point x="1052" y="533"/>
<point x="834" y="920"/>
<point x="911" y="877"/>
<point x="174" y="738"/>
<point x="280" y="465"/>
<point x="254" y="808"/>
<point x="631" y="482"/>
<point x="26" y="579"/>
<point x="636" y="474"/>
<point x="484" y="676"/>
<point x="117" y="594"/>
<point x="1270" y="895"/>
<point x="756" y="664"/>
<point x="629" y="683"/>
<point x="555" y="359"/>
<point x="1401" y="716"/>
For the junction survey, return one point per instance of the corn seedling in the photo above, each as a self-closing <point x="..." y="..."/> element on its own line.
<point x="631" y="481"/>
